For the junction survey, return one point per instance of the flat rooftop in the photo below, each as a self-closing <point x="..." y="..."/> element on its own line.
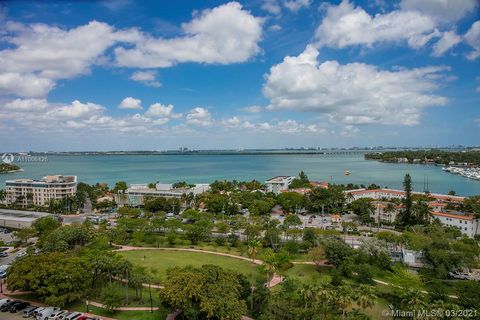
<point x="21" y="215"/>
<point x="278" y="179"/>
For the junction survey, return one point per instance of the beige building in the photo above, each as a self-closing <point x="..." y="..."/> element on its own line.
<point x="40" y="192"/>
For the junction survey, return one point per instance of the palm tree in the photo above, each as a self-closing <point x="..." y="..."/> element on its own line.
<point x="345" y="297"/>
<point x="365" y="297"/>
<point x="253" y="246"/>
<point x="307" y="293"/>
<point x="325" y="297"/>
<point x="413" y="299"/>
<point x="269" y="265"/>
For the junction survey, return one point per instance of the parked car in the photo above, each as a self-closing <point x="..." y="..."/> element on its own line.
<point x="4" y="301"/>
<point x="18" y="306"/>
<point x="28" y="312"/>
<point x="3" y="254"/>
<point x="21" y="254"/>
<point x="459" y="275"/>
<point x="86" y="318"/>
<point x="58" y="314"/>
<point x="37" y="311"/>
<point x="73" y="316"/>
<point x="45" y="313"/>
<point x="6" y="306"/>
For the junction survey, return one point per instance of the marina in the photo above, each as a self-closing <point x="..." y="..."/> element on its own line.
<point x="467" y="172"/>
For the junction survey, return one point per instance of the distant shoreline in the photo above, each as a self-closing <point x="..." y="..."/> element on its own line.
<point x="286" y="151"/>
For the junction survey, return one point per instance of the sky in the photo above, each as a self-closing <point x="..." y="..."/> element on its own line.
<point x="159" y="75"/>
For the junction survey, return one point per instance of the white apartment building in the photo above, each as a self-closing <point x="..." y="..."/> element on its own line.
<point x="40" y="192"/>
<point x="136" y="193"/>
<point x="278" y="184"/>
<point x="467" y="223"/>
<point x="379" y="194"/>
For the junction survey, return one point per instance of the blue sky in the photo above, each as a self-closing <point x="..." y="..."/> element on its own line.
<point x="126" y="74"/>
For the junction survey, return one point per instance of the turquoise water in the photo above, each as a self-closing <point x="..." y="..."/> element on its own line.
<point x="207" y="168"/>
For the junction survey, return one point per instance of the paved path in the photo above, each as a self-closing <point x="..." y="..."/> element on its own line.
<point x="99" y="305"/>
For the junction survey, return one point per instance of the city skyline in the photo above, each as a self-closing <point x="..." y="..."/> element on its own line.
<point x="131" y="75"/>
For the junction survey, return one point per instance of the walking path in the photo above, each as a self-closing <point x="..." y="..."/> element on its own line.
<point x="99" y="305"/>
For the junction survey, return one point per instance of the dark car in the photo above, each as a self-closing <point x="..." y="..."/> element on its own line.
<point x="19" y="306"/>
<point x="7" y="305"/>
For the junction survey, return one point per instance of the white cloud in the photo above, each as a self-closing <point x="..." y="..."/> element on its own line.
<point x="442" y="10"/>
<point x="275" y="27"/>
<point x="41" y="54"/>
<point x="346" y="25"/>
<point x="272" y="7"/>
<point x="27" y="105"/>
<point x="252" y="109"/>
<point x="131" y="103"/>
<point x="146" y="77"/>
<point x="25" y="85"/>
<point x="354" y="93"/>
<point x="38" y="55"/>
<point x="349" y="131"/>
<point x="295" y="5"/>
<point x="158" y="110"/>
<point x="232" y="122"/>
<point x="472" y="37"/>
<point x="223" y="35"/>
<point x="448" y="40"/>
<point x="76" y="110"/>
<point x="199" y="116"/>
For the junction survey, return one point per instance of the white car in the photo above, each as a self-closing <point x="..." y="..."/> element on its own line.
<point x="45" y="313"/>
<point x="57" y="315"/>
<point x="73" y="316"/>
<point x="21" y="254"/>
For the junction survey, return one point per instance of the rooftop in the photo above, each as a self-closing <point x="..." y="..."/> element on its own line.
<point x="279" y="179"/>
<point x="46" y="179"/>
<point x="21" y="215"/>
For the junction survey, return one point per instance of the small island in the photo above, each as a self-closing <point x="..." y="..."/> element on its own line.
<point x="431" y="156"/>
<point x="465" y="163"/>
<point x="9" y="168"/>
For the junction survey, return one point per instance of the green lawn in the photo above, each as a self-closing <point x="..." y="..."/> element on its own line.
<point x="308" y="273"/>
<point x="161" y="261"/>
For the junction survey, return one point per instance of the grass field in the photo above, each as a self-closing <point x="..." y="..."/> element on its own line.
<point x="308" y="273"/>
<point x="161" y="261"/>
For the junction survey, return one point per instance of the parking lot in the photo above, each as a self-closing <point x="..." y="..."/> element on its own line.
<point x="11" y="316"/>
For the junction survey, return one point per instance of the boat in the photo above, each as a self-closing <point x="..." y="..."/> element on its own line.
<point x="346" y="172"/>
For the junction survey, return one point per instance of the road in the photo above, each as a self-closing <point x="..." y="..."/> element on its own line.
<point x="71" y="218"/>
<point x="9" y="259"/>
